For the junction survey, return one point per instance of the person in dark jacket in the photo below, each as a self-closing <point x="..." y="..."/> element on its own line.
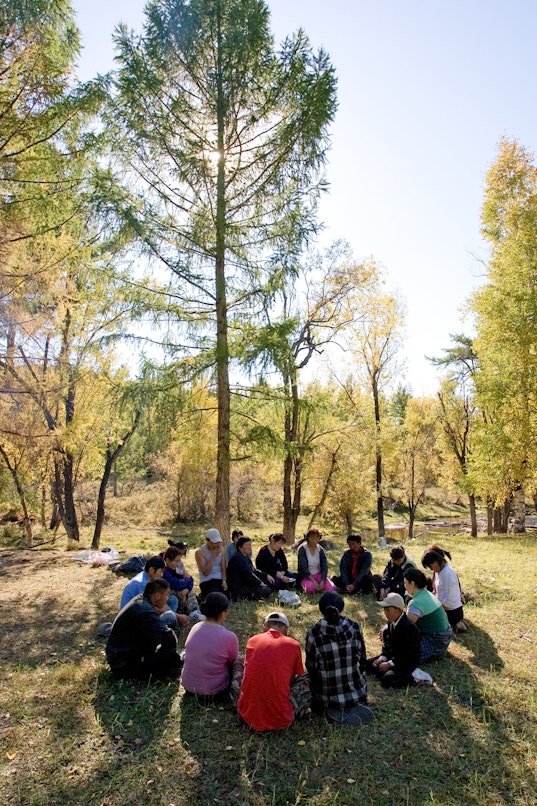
<point x="272" y="561"/>
<point x="242" y="578"/>
<point x="400" y="653"/>
<point x="140" y="645"/>
<point x="392" y="579"/>
<point x="355" y="568"/>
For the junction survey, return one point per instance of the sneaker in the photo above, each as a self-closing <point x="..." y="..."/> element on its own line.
<point x="197" y="615"/>
<point x="462" y="626"/>
<point x="422" y="678"/>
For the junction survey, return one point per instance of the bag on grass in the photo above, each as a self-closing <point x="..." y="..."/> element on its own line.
<point x="289" y="598"/>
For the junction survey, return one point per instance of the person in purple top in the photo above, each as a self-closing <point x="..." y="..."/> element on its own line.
<point x="211" y="655"/>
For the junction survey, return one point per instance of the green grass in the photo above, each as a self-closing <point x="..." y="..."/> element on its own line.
<point x="70" y="735"/>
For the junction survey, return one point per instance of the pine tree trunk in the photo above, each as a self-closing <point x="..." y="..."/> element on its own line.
<point x="222" y="517"/>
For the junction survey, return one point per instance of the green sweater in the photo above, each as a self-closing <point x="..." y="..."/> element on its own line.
<point x="433" y="618"/>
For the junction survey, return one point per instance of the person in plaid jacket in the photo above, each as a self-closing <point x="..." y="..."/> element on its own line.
<point x="335" y="661"/>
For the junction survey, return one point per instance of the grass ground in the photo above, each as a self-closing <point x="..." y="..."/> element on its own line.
<point x="70" y="735"/>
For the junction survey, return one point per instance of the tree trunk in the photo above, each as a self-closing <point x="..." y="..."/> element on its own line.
<point x="519" y="502"/>
<point x="490" y="516"/>
<point x="222" y="518"/>
<point x="505" y="515"/>
<point x="411" y="520"/>
<point x="26" y="521"/>
<point x="378" y="464"/>
<point x="320" y="504"/>
<point x="70" y="519"/>
<point x="473" y="516"/>
<point x="497" y="520"/>
<point x="111" y="456"/>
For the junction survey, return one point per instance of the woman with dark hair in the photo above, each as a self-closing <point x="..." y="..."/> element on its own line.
<point x="426" y="611"/>
<point x="335" y="661"/>
<point x="446" y="585"/>
<point x="271" y="560"/>
<point x="211" y="651"/>
<point x="313" y="565"/>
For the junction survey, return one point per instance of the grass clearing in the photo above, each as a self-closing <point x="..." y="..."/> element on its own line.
<point x="70" y="735"/>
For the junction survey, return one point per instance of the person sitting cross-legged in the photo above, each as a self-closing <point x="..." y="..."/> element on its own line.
<point x="154" y="569"/>
<point x="335" y="661"/>
<point x="211" y="655"/>
<point x="274" y="689"/>
<point x="245" y="582"/>
<point x="392" y="579"/>
<point x="140" y="646"/>
<point x="355" y="568"/>
<point x="272" y="560"/>
<point x="426" y="611"/>
<point x="180" y="582"/>
<point x="400" y="653"/>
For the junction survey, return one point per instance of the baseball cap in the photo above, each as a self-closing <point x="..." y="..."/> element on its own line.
<point x="214" y="536"/>
<point x="277" y="615"/>
<point x="393" y="600"/>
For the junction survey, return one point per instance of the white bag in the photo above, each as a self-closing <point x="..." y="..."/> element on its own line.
<point x="289" y="598"/>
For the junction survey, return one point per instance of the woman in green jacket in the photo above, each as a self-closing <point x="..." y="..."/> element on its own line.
<point x="426" y="611"/>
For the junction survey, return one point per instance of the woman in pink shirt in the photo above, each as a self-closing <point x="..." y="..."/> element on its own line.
<point x="211" y="651"/>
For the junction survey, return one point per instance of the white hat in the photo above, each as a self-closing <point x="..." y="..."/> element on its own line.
<point x="393" y="600"/>
<point x="214" y="536"/>
<point x="277" y="615"/>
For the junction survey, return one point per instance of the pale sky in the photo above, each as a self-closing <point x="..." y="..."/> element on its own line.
<point x="426" y="90"/>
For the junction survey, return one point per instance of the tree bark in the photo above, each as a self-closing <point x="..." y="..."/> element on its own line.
<point x="378" y="462"/>
<point x="490" y="517"/>
<point x="320" y="504"/>
<point x="26" y="521"/>
<point x="222" y="517"/>
<point x="519" y="502"/>
<point x="473" y="516"/>
<point x="111" y="456"/>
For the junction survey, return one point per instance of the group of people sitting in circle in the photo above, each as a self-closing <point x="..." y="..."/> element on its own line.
<point x="270" y="686"/>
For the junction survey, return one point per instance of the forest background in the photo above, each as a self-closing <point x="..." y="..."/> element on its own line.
<point x="174" y="202"/>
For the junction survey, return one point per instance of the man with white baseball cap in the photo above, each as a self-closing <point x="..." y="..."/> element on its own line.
<point x="211" y="562"/>
<point x="400" y="646"/>
<point x="270" y="697"/>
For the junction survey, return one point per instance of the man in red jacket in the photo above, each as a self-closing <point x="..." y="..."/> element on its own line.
<point x="273" y="662"/>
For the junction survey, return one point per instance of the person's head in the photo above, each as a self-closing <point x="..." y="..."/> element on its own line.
<point x="235" y="534"/>
<point x="397" y="555"/>
<point x="414" y="580"/>
<point x="154" y="568"/>
<point x="354" y="542"/>
<point x="172" y="557"/>
<point x="157" y="591"/>
<point x="179" y="544"/>
<point x="276" y="621"/>
<point x="331" y="605"/>
<point x="213" y="539"/>
<point x="277" y="540"/>
<point x="443" y="552"/>
<point x="244" y="545"/>
<point x="313" y="536"/>
<point x="215" y="607"/>
<point x="393" y="605"/>
<point x="433" y="560"/>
